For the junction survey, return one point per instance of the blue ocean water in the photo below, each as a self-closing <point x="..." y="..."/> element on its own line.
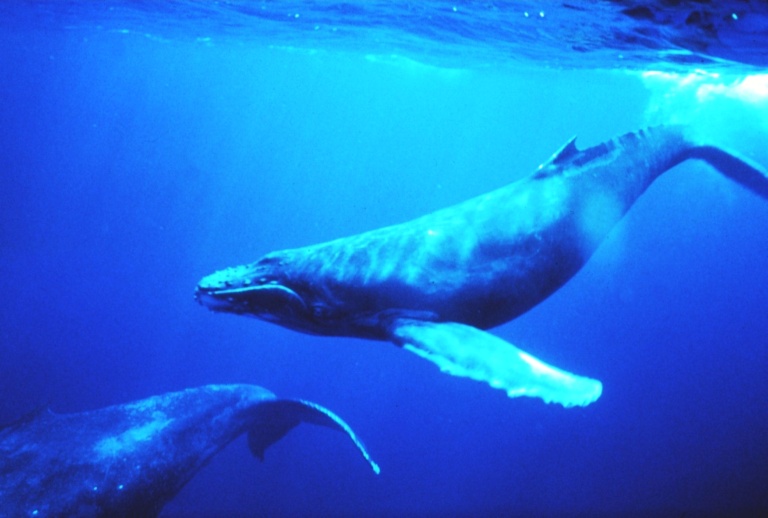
<point x="143" y="147"/>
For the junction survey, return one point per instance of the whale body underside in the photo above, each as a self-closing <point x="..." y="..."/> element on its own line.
<point x="435" y="284"/>
<point x="130" y="460"/>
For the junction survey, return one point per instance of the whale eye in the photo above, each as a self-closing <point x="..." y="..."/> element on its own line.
<point x="320" y="311"/>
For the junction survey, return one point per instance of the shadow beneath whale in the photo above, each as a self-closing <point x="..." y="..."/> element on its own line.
<point x="132" y="459"/>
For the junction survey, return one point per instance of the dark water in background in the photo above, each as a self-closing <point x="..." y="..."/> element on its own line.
<point x="133" y="161"/>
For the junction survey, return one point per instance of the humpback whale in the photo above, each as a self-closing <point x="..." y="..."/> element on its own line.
<point x="435" y="284"/>
<point x="130" y="460"/>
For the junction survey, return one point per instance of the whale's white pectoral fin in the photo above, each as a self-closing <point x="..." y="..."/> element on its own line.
<point x="466" y="351"/>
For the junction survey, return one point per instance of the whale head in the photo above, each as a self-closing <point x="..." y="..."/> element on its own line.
<point x="268" y="290"/>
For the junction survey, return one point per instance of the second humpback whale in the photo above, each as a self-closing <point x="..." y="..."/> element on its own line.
<point x="434" y="284"/>
<point x="130" y="460"/>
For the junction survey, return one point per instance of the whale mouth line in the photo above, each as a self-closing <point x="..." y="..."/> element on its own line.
<point x="258" y="300"/>
<point x="247" y="289"/>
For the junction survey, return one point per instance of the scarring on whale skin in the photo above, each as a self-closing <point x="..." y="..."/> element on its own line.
<point x="434" y="284"/>
<point x="130" y="460"/>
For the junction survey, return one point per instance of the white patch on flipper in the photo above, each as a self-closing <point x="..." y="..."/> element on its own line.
<point x="468" y="352"/>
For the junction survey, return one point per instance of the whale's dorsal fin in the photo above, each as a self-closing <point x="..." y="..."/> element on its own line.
<point x="566" y="152"/>
<point x="562" y="155"/>
<point x="468" y="352"/>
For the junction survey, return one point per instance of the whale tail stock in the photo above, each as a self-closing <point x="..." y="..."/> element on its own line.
<point x="741" y="170"/>
<point x="274" y="419"/>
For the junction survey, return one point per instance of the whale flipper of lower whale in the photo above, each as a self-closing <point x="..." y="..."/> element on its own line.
<point x="130" y="460"/>
<point x="274" y="419"/>
<point x="468" y="352"/>
<point x="434" y="284"/>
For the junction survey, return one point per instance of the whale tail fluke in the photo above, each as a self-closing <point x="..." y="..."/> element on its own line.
<point x="276" y="418"/>
<point x="743" y="171"/>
